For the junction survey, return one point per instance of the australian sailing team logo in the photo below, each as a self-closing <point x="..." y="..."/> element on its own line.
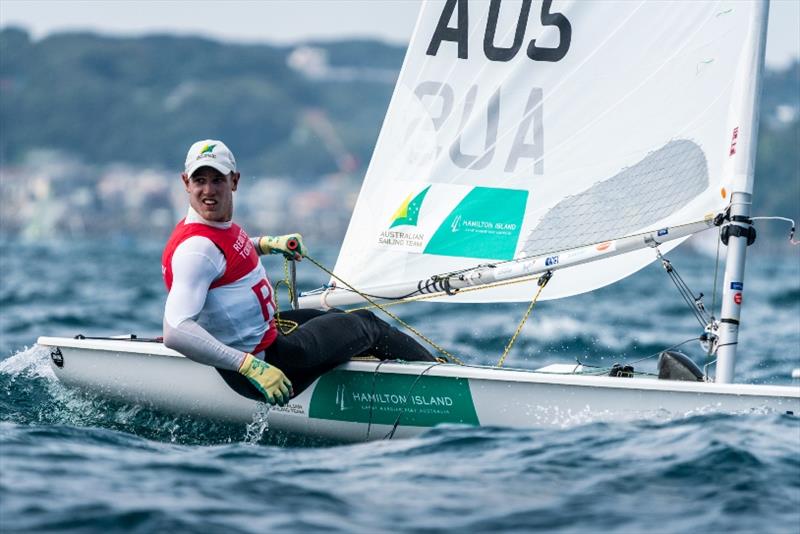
<point x="206" y="152"/>
<point x="408" y="212"/>
<point x="406" y="215"/>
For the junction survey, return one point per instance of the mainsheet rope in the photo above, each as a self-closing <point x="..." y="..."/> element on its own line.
<point x="542" y="281"/>
<point x="694" y="303"/>
<point x="286" y="326"/>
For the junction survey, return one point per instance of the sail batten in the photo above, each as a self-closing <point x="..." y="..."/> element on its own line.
<point x="512" y="134"/>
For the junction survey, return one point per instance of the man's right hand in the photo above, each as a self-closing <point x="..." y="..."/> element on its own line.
<point x="268" y="379"/>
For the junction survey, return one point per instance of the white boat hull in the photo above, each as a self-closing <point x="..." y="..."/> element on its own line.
<point x="365" y="400"/>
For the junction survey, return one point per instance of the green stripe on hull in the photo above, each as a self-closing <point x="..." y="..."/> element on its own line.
<point x="380" y="398"/>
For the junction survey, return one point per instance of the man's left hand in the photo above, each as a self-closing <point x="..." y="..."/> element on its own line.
<point x="290" y="245"/>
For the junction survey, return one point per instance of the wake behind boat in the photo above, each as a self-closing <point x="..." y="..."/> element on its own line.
<point x="530" y="150"/>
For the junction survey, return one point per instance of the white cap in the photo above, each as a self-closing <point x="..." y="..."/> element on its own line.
<point x="210" y="153"/>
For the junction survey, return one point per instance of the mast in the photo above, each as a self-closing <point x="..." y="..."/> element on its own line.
<point x="740" y="233"/>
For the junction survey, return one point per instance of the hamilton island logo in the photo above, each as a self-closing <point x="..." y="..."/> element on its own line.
<point x="366" y="397"/>
<point x="485" y="224"/>
<point x="408" y="212"/>
<point x="340" y="398"/>
<point x="390" y="401"/>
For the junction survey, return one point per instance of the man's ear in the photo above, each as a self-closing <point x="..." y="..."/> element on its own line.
<point x="185" y="178"/>
<point x="234" y="181"/>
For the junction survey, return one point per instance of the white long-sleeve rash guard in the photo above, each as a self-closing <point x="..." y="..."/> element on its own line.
<point x="196" y="264"/>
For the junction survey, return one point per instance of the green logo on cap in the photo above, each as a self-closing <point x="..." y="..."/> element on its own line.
<point x="207" y="149"/>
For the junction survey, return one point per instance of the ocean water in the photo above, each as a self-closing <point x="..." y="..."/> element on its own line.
<point x="70" y="461"/>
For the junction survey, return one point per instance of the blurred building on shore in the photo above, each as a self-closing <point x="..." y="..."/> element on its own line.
<point x="52" y="197"/>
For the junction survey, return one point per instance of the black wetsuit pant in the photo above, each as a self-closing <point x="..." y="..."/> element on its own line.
<point x="324" y="340"/>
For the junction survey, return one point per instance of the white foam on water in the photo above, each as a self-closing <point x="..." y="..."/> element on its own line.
<point x="255" y="430"/>
<point x="127" y="413"/>
<point x="33" y="362"/>
<point x="564" y="418"/>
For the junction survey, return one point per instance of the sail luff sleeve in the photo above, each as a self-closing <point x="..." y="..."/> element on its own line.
<point x="745" y="115"/>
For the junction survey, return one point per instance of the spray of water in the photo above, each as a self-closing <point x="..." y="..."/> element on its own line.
<point x="30" y="394"/>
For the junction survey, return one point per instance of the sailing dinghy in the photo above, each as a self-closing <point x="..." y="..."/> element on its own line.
<point x="530" y="149"/>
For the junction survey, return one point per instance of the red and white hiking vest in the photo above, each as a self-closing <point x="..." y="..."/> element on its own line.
<point x="239" y="309"/>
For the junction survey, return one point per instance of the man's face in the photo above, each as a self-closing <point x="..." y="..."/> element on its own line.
<point x="211" y="193"/>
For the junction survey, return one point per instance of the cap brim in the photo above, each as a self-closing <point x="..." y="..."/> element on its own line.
<point x="208" y="163"/>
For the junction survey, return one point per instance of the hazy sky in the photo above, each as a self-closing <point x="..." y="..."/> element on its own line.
<point x="284" y="21"/>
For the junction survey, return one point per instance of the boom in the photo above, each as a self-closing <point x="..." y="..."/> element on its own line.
<point x="484" y="275"/>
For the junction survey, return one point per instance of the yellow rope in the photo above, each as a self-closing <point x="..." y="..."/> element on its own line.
<point x="542" y="282"/>
<point x="285" y="325"/>
<point x="543" y="279"/>
<point x="513" y="339"/>
<point x="287" y="280"/>
<point x="416" y="332"/>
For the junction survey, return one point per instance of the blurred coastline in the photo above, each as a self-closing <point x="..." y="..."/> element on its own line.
<point x="94" y="129"/>
<point x="47" y="199"/>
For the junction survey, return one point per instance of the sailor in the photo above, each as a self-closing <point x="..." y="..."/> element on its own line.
<point x="220" y="310"/>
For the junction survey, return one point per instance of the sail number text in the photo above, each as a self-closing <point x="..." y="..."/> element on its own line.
<point x="526" y="144"/>
<point x="460" y="33"/>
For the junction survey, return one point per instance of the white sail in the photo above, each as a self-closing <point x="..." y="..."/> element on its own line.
<point x="524" y="128"/>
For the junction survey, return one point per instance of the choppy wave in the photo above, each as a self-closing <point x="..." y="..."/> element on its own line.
<point x="73" y="461"/>
<point x="706" y="473"/>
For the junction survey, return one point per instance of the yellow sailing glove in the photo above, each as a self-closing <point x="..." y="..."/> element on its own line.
<point x="268" y="379"/>
<point x="290" y="245"/>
